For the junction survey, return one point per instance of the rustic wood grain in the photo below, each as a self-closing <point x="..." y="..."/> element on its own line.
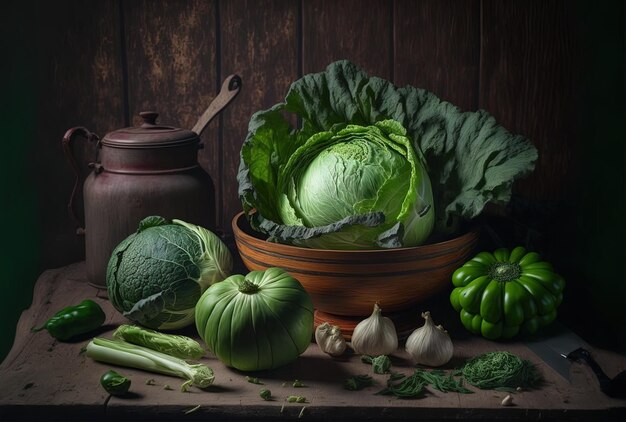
<point x="528" y="81"/>
<point x="356" y="30"/>
<point x="171" y="66"/>
<point x="258" y="42"/>
<point x="437" y="48"/>
<point x="66" y="386"/>
<point x="79" y="83"/>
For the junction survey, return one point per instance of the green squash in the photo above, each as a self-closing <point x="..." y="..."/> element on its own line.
<point x="505" y="293"/>
<point x="259" y="321"/>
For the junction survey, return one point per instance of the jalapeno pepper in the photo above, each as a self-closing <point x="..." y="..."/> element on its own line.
<point x="74" y="320"/>
<point x="506" y="293"/>
<point x="114" y="383"/>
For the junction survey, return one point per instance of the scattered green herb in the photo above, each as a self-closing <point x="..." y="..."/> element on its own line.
<point x="442" y="382"/>
<point x="167" y="387"/>
<point x="298" y="384"/>
<point x="414" y="386"/>
<point x="254" y="380"/>
<point x="296" y="399"/>
<point x="408" y="387"/>
<point x="301" y="412"/>
<point x="380" y="364"/>
<point x="150" y="381"/>
<point x="358" y="382"/>
<point x="265" y="394"/>
<point x="500" y="371"/>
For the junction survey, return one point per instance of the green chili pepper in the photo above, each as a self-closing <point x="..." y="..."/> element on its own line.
<point x="114" y="383"/>
<point x="74" y="320"/>
<point x="501" y="294"/>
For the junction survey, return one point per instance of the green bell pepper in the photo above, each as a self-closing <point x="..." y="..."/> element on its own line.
<point x="506" y="293"/>
<point x="114" y="383"/>
<point x="74" y="320"/>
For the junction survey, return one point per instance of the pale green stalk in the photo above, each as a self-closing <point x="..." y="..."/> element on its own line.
<point x="182" y="347"/>
<point x="121" y="353"/>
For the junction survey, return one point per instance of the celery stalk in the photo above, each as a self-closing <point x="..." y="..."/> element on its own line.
<point x="121" y="353"/>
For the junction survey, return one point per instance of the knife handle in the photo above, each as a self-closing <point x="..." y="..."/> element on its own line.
<point x="615" y="387"/>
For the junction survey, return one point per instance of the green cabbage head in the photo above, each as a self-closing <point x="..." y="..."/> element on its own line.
<point x="156" y="275"/>
<point x="329" y="166"/>
<point x="368" y="175"/>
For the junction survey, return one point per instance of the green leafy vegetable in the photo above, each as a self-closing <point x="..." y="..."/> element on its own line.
<point x="501" y="371"/>
<point x="253" y="380"/>
<point x="380" y="364"/>
<point x="156" y="275"/>
<point x="180" y="346"/>
<point x="259" y="321"/>
<point x="329" y="182"/>
<point x="120" y="353"/>
<point x="358" y="382"/>
<point x="265" y="394"/>
<point x="298" y="384"/>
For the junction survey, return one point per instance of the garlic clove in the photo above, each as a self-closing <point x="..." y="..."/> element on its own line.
<point x="330" y="339"/>
<point x="375" y="335"/>
<point x="429" y="345"/>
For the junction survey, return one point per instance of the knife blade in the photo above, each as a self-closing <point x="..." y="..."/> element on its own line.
<point x="553" y="346"/>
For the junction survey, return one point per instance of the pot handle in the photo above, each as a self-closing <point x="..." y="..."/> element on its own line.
<point x="230" y="88"/>
<point x="69" y="154"/>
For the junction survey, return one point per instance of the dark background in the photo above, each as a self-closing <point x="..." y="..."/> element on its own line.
<point x="552" y="70"/>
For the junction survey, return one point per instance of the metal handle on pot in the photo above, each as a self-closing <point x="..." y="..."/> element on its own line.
<point x="69" y="154"/>
<point x="230" y="88"/>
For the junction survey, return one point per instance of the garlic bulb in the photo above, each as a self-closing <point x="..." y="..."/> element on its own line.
<point x="375" y="335"/>
<point x="330" y="340"/>
<point x="430" y="345"/>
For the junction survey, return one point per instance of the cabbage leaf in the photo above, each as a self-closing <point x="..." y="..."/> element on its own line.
<point x="471" y="159"/>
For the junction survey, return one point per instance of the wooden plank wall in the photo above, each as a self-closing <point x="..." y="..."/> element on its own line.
<point x="98" y="65"/>
<point x="105" y="64"/>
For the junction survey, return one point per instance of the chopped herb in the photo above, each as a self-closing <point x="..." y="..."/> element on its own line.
<point x="265" y="394"/>
<point x="358" y="382"/>
<point x="405" y="388"/>
<point x="301" y="412"/>
<point x="254" y="380"/>
<point x="167" y="387"/>
<point x="380" y="364"/>
<point x="150" y="381"/>
<point x="296" y="399"/>
<point x="501" y="371"/>
<point x="414" y="386"/>
<point x="298" y="384"/>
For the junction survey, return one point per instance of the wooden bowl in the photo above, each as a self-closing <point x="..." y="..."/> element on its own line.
<point x="345" y="284"/>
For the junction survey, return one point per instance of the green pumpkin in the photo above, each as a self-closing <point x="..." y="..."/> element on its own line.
<point x="259" y="321"/>
<point x="505" y="293"/>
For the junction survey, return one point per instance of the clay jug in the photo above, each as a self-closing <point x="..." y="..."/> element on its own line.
<point x="140" y="171"/>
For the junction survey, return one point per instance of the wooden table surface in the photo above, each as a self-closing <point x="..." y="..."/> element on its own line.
<point x="42" y="378"/>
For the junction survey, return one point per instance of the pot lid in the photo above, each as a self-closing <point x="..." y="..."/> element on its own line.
<point x="149" y="135"/>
